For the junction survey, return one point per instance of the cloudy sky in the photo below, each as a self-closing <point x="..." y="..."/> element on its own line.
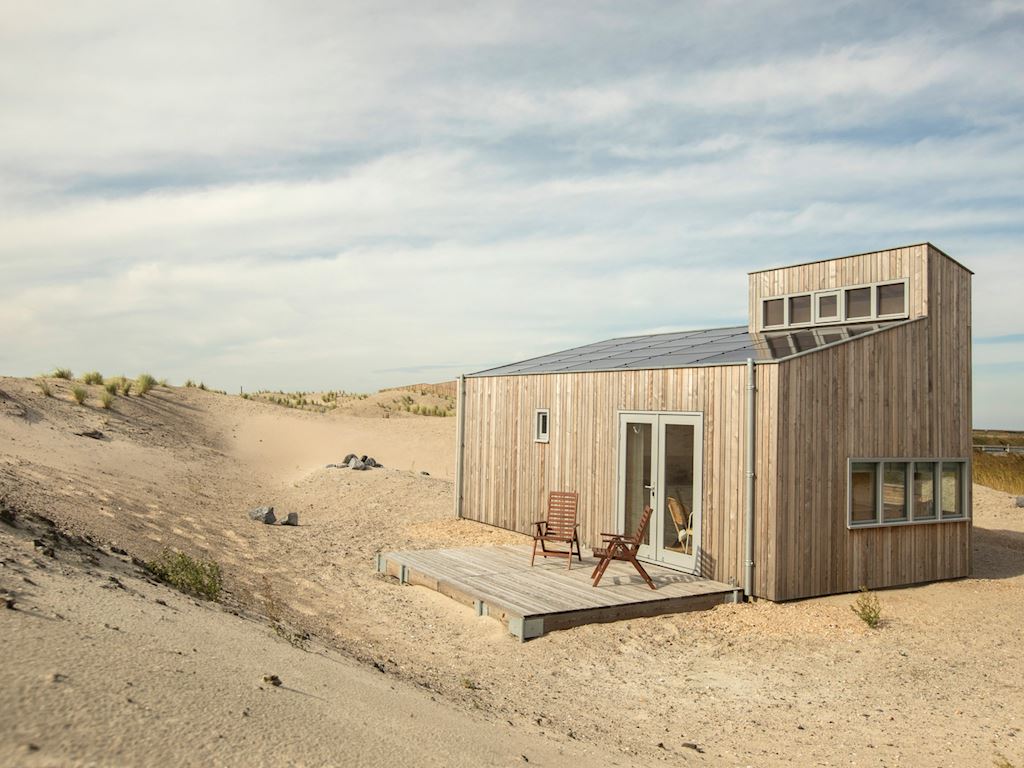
<point x="347" y="195"/>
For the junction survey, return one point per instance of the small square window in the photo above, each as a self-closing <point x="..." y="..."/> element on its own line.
<point x="894" y="491"/>
<point x="774" y="313"/>
<point x="892" y="299"/>
<point x="541" y="426"/>
<point x="799" y="309"/>
<point x="828" y="307"/>
<point x="858" y="303"/>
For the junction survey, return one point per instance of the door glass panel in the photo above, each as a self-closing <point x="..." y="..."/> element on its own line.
<point x="924" y="490"/>
<point x="638" y="474"/>
<point x="894" y="491"/>
<point x="677" y="531"/>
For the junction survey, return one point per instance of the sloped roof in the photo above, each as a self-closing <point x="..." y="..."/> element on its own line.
<point x="686" y="349"/>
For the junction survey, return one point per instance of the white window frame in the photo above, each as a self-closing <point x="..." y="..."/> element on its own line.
<point x="840" y="307"/>
<point x="908" y="493"/>
<point x="843" y="317"/>
<point x="538" y="435"/>
<point x="785" y="312"/>
<point x="906" y="299"/>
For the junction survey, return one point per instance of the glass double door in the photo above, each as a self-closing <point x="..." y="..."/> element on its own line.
<point x="660" y="466"/>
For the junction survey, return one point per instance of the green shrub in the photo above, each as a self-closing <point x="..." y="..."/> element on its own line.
<point x="44" y="387"/>
<point x="144" y="383"/>
<point x="106" y="400"/>
<point x="79" y="394"/>
<point x="201" y="578"/>
<point x="111" y="387"/>
<point x="867" y="608"/>
<point x="62" y="373"/>
<point x="126" y="387"/>
<point x="202" y="386"/>
<point x="92" y="377"/>
<point x="189" y="383"/>
<point x="163" y="383"/>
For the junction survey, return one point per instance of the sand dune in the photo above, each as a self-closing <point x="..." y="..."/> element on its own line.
<point x="939" y="684"/>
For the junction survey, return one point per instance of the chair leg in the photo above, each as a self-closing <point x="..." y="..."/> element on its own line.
<point x="568" y="558"/>
<point x="579" y="554"/>
<point x="602" y="567"/>
<point x="642" y="572"/>
<point x="534" y="557"/>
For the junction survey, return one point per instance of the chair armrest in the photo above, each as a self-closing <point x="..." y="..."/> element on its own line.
<point x="613" y="535"/>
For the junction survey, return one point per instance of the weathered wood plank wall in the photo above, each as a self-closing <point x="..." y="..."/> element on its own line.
<point x="507" y="475"/>
<point x="910" y="262"/>
<point x="905" y="392"/>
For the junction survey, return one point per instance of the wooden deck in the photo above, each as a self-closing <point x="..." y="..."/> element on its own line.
<point x="499" y="582"/>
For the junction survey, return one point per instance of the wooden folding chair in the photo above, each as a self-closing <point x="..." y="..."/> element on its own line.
<point x="618" y="546"/>
<point x="559" y="528"/>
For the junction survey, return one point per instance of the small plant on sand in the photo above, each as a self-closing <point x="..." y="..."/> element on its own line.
<point x="273" y="609"/>
<point x="106" y="400"/>
<point x="202" y="386"/>
<point x="163" y="383"/>
<point x="1000" y="761"/>
<point x="189" y="383"/>
<point x="867" y="608"/>
<point x="92" y="377"/>
<point x="470" y="685"/>
<point x="44" y="387"/>
<point x="201" y="578"/>
<point x="111" y="387"/>
<point x="62" y="373"/>
<point x="79" y="394"/>
<point x="144" y="383"/>
<point x="126" y="386"/>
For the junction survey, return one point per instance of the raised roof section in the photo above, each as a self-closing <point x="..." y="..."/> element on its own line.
<point x="685" y="349"/>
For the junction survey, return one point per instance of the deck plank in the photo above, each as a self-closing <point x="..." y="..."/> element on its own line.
<point x="547" y="596"/>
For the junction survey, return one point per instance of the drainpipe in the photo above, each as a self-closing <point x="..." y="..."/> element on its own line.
<point x="460" y="434"/>
<point x="748" y="578"/>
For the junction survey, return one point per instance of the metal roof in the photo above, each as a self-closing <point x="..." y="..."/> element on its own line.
<point x="686" y="349"/>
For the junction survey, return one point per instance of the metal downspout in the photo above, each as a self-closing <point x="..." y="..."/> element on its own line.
<point x="460" y="434"/>
<point x="748" y="578"/>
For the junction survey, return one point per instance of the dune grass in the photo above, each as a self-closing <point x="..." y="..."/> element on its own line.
<point x="1004" y="472"/>
<point x="192" y="576"/>
<point x="44" y="387"/>
<point x="126" y="386"/>
<point x="79" y="394"/>
<point x="106" y="400"/>
<point x="111" y="387"/>
<point x="62" y="373"/>
<point x="144" y="383"/>
<point x="92" y="377"/>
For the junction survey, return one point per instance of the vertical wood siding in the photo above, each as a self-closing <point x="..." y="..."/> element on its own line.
<point x="895" y="264"/>
<point x="507" y="475"/>
<point x="905" y="392"/>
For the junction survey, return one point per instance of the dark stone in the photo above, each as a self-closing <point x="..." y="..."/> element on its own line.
<point x="356" y="463"/>
<point x="424" y="472"/>
<point x="371" y="462"/>
<point x="349" y="458"/>
<point x="292" y="519"/>
<point x="117" y="551"/>
<point x="363" y="458"/>
<point x="273" y="680"/>
<point x="1020" y="501"/>
<point x="95" y="434"/>
<point x="263" y="514"/>
<point x="10" y="602"/>
<point x="336" y="466"/>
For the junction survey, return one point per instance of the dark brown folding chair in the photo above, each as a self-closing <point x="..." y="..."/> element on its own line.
<point x="618" y="546"/>
<point x="559" y="528"/>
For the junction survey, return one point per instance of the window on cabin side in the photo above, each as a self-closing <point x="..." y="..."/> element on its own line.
<point x="924" y="490"/>
<point x="774" y="312"/>
<point x="892" y="299"/>
<point x="894" y="491"/>
<point x="800" y="309"/>
<point x="858" y="303"/>
<point x="951" y="484"/>
<point x="541" y="426"/>
<point x="863" y="493"/>
<point x="828" y="307"/>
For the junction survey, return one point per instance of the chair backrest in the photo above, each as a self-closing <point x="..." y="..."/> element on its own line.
<point x="678" y="511"/>
<point x="562" y="513"/>
<point x="641" y="529"/>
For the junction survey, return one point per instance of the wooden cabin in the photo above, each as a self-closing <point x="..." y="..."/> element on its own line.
<point x="824" y="446"/>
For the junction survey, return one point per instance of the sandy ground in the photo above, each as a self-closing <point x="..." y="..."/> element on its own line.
<point x="940" y="683"/>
